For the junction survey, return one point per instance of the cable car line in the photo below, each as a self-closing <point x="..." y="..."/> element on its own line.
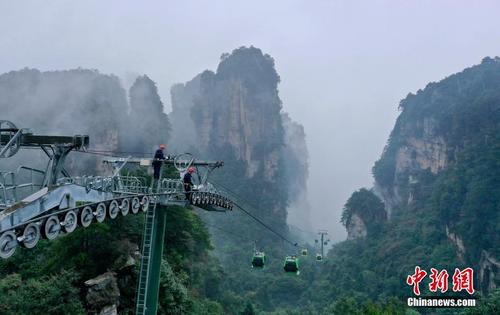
<point x="94" y="153"/>
<point x="225" y="188"/>
<point x="258" y="258"/>
<point x="264" y="224"/>
<point x="295" y="244"/>
<point x="229" y="232"/>
<point x="291" y="264"/>
<point x="254" y="217"/>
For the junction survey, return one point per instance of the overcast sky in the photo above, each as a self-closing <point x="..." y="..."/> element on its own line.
<point x="344" y="65"/>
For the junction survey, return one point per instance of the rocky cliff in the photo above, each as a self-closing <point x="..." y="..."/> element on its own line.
<point x="363" y="213"/>
<point x="436" y="199"/>
<point x="434" y="127"/>
<point x="64" y="102"/>
<point x="147" y="124"/>
<point x="440" y="166"/>
<point x="83" y="101"/>
<point x="297" y="170"/>
<point x="235" y="114"/>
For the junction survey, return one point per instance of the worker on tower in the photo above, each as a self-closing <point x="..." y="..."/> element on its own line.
<point x="157" y="161"/>
<point x="188" y="182"/>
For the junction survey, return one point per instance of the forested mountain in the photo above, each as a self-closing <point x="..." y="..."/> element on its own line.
<point x="436" y="199"/>
<point x="87" y="102"/>
<point x="234" y="115"/>
<point x="148" y="125"/>
<point x="65" y="102"/>
<point x="94" y="270"/>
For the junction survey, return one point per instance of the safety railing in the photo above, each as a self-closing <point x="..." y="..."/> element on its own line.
<point x="4" y="201"/>
<point x="11" y="192"/>
<point x="8" y="188"/>
<point x="168" y="185"/>
<point x="34" y="178"/>
<point x="131" y="184"/>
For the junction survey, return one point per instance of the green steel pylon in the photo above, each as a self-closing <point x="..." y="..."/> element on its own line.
<point x="152" y="252"/>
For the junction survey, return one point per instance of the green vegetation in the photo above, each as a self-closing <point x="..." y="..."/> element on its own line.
<point x="55" y="294"/>
<point x="367" y="206"/>
<point x="49" y="278"/>
<point x="464" y="198"/>
<point x="486" y="305"/>
<point x="206" y="268"/>
<point x="254" y="69"/>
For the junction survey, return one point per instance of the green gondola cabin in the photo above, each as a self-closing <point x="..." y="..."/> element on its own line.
<point x="291" y="264"/>
<point x="258" y="260"/>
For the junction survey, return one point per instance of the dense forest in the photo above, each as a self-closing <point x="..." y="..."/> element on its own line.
<point x="435" y="202"/>
<point x="437" y="182"/>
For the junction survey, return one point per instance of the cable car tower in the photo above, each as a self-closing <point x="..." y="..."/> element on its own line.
<point x="322" y="234"/>
<point x="203" y="196"/>
<point x="50" y="202"/>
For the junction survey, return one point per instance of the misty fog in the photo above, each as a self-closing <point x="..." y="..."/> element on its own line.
<point x="342" y="78"/>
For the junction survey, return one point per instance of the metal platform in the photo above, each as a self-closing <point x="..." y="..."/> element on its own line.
<point x="37" y="204"/>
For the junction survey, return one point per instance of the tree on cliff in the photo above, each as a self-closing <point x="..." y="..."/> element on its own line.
<point x="367" y="206"/>
<point x="250" y="65"/>
<point x="446" y="216"/>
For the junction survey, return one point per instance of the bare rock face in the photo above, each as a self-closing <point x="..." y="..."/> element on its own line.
<point x="356" y="228"/>
<point x="130" y="255"/>
<point x="390" y="196"/>
<point x="229" y="106"/>
<point x="235" y="114"/>
<point x="440" y="161"/>
<point x="428" y="150"/>
<point x="422" y="154"/>
<point x="489" y="272"/>
<point x="109" y="310"/>
<point x="363" y="213"/>
<point x="242" y="122"/>
<point x="458" y="242"/>
<point x="183" y="97"/>
<point x="420" y="148"/>
<point x="297" y="169"/>
<point x="102" y="294"/>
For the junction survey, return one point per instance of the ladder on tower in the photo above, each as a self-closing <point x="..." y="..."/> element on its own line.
<point x="145" y="261"/>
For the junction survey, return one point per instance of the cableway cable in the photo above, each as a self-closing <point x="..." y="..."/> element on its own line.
<point x="103" y="153"/>
<point x="229" y="232"/>
<point x="254" y="217"/>
<point x="225" y="188"/>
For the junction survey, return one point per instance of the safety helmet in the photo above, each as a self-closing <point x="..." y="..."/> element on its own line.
<point x="191" y="170"/>
<point x="163" y="146"/>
